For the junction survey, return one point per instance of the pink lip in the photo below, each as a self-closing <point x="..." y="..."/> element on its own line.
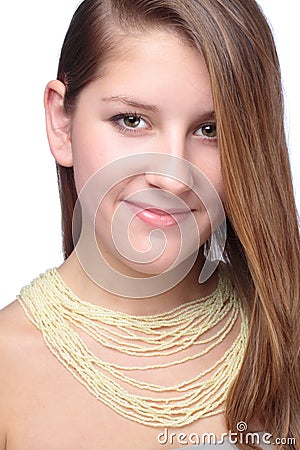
<point x="157" y="217"/>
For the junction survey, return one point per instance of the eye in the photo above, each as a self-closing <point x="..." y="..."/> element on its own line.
<point x="133" y="121"/>
<point x="129" y="121"/>
<point x="208" y="130"/>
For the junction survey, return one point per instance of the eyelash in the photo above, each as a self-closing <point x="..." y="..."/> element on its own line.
<point x="134" y="131"/>
<point x="123" y="129"/>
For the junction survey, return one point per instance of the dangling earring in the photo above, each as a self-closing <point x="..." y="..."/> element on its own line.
<point x="213" y="250"/>
<point x="206" y="248"/>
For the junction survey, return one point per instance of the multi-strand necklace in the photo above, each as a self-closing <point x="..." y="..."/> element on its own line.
<point x="186" y="330"/>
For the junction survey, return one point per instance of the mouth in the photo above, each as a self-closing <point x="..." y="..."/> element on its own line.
<point x="158" y="217"/>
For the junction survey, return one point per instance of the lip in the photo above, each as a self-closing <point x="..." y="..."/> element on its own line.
<point x="153" y="216"/>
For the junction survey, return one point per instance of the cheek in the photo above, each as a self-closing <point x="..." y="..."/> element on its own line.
<point x="94" y="146"/>
<point x="88" y="158"/>
<point x="217" y="182"/>
<point x="209" y="164"/>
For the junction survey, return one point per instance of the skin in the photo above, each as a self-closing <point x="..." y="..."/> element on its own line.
<point x="91" y="139"/>
<point x="42" y="406"/>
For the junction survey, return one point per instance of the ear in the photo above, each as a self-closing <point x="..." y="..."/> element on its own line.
<point x="58" y="123"/>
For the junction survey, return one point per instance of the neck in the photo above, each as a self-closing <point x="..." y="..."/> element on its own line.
<point x="188" y="289"/>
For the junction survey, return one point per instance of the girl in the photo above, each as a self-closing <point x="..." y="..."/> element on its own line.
<point x="165" y="118"/>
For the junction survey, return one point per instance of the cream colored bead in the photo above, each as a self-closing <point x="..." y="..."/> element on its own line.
<point x="53" y="308"/>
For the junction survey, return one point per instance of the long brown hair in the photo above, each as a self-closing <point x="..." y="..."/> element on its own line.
<point x="262" y="250"/>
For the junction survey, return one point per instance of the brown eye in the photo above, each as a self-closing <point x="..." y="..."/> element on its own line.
<point x="132" y="121"/>
<point x="208" y="130"/>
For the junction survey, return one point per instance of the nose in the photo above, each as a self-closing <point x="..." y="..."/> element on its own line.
<point x="172" y="174"/>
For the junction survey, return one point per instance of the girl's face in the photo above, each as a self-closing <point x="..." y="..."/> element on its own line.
<point x="156" y="98"/>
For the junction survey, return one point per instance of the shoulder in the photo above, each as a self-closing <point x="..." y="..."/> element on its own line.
<point x="17" y="337"/>
<point x="14" y="330"/>
<point x="7" y="331"/>
<point x="18" y="340"/>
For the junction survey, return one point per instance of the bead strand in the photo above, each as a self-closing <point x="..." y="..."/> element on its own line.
<point x="55" y="310"/>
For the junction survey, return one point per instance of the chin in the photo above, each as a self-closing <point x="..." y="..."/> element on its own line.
<point x="163" y="264"/>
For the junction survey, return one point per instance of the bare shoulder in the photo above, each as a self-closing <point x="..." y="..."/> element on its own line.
<point x="7" y="326"/>
<point x="14" y="332"/>
<point x="15" y="329"/>
<point x="17" y="338"/>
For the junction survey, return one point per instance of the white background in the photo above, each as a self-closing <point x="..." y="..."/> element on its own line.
<point x="31" y="35"/>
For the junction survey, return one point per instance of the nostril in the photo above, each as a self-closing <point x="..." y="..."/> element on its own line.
<point x="168" y="183"/>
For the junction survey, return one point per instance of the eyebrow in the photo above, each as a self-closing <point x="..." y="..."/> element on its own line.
<point x="129" y="102"/>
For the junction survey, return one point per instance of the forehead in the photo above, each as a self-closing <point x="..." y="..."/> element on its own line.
<point x="151" y="48"/>
<point x="158" y="66"/>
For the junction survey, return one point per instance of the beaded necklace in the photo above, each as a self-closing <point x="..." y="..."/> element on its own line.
<point x="55" y="310"/>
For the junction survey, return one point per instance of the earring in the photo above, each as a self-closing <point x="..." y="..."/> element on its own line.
<point x="213" y="250"/>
